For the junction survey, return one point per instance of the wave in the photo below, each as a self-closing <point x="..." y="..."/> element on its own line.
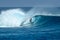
<point x="42" y="20"/>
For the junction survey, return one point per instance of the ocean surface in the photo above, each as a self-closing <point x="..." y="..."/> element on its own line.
<point x="43" y="23"/>
<point x="44" y="28"/>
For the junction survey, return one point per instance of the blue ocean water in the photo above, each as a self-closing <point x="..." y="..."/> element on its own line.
<point x="42" y="27"/>
<point x="50" y="30"/>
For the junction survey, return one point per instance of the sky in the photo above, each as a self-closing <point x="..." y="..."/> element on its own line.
<point x="29" y="3"/>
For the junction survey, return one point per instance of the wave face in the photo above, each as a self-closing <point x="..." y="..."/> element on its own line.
<point x="37" y="19"/>
<point x="35" y="27"/>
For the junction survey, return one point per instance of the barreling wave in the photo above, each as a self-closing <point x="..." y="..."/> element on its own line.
<point x="42" y="15"/>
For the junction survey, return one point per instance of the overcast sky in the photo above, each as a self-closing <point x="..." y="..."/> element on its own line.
<point x="29" y="3"/>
